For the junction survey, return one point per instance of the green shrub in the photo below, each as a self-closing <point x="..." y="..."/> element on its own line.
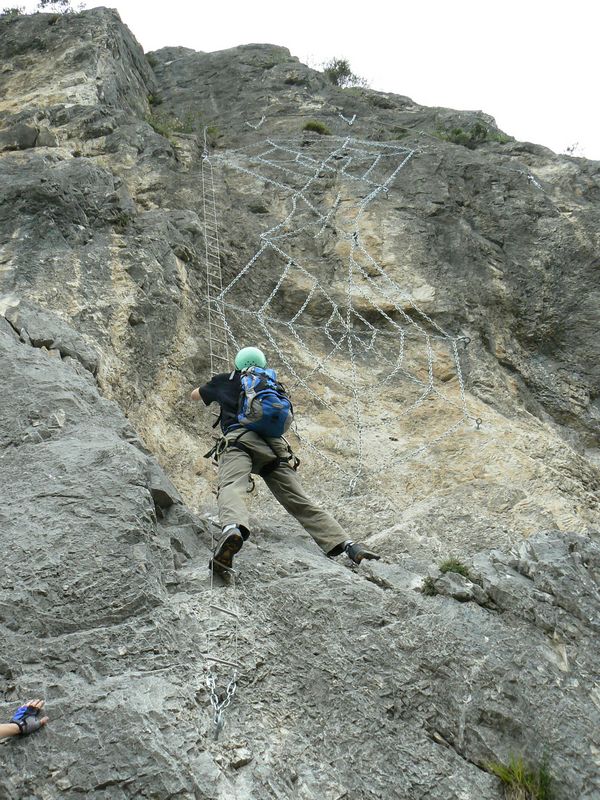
<point x="317" y="127"/>
<point x="62" y="6"/>
<point x="338" y="72"/>
<point x="12" y="12"/>
<point x="213" y="134"/>
<point x="453" y="565"/>
<point x="163" y="124"/>
<point x="382" y="102"/>
<point x="477" y="134"/>
<point x="167" y="124"/>
<point x="428" y="587"/>
<point x="521" y="781"/>
<point x="121" y="221"/>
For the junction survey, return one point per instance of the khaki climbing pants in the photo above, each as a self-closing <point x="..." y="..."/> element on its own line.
<point x="235" y="467"/>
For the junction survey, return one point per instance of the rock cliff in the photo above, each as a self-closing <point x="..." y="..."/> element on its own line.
<point x="471" y="305"/>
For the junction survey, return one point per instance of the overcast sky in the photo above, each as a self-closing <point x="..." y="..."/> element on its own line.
<point x="531" y="64"/>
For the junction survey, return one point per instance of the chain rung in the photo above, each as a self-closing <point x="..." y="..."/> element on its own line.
<point x="222" y="661"/>
<point x="225" y="611"/>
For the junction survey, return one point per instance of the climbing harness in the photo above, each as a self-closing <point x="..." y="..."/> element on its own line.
<point x="223" y="443"/>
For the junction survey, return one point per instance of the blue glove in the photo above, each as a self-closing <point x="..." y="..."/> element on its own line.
<point x="27" y="718"/>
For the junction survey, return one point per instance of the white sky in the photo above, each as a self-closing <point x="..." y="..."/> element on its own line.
<point x="531" y="64"/>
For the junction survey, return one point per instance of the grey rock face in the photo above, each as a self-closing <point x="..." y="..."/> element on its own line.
<point x="352" y="682"/>
<point x="44" y="329"/>
<point x="19" y="137"/>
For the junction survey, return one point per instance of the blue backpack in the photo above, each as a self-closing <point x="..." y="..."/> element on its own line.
<point x="264" y="404"/>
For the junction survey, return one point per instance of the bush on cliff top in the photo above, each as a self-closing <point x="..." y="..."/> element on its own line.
<point x="338" y="72"/>
<point x="470" y="138"/>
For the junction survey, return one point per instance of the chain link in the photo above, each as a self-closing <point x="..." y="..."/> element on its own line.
<point x="308" y="170"/>
<point x="286" y="166"/>
<point x="217" y="325"/>
<point x="258" y="124"/>
<point x="219" y="705"/>
<point x="219" y="335"/>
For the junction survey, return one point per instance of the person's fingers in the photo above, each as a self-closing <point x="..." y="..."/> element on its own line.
<point x="44" y="720"/>
<point x="37" y="703"/>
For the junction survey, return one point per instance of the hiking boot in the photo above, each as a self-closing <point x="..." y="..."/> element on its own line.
<point x="230" y="544"/>
<point x="357" y="552"/>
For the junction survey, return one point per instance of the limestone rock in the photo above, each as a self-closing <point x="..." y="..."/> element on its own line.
<point x="18" y="137"/>
<point x="46" y="329"/>
<point x="352" y="683"/>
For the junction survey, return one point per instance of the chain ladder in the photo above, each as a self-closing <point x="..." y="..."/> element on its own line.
<point x="219" y="335"/>
<point x="217" y="329"/>
<point x="220" y="704"/>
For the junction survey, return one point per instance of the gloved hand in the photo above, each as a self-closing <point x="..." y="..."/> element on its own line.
<point x="27" y="717"/>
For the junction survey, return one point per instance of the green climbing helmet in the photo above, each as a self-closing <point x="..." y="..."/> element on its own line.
<point x="250" y="357"/>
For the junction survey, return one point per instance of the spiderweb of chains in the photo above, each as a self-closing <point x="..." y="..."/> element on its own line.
<point x="352" y="329"/>
<point x="343" y="336"/>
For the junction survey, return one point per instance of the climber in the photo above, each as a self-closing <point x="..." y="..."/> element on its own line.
<point x="25" y="720"/>
<point x="241" y="451"/>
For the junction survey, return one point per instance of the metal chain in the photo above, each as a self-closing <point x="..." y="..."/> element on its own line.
<point x="217" y="329"/>
<point x="219" y="334"/>
<point x="301" y="170"/>
<point x="218" y="705"/>
<point x="355" y="398"/>
<point x="258" y="124"/>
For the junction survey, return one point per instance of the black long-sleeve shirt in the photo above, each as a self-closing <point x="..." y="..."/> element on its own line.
<point x="224" y="389"/>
